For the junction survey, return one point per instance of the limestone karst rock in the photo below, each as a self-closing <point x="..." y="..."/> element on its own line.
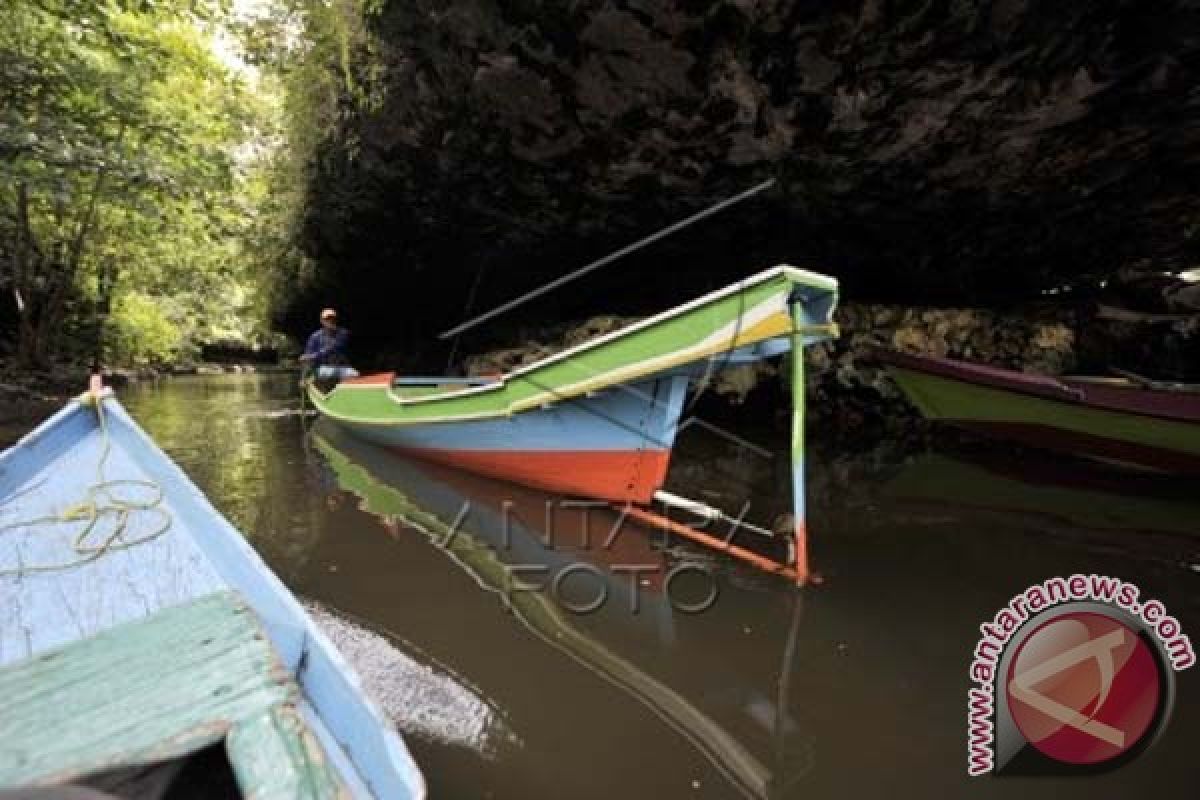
<point x="951" y="152"/>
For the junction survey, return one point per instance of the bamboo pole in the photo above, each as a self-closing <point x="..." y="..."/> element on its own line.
<point x="798" y="491"/>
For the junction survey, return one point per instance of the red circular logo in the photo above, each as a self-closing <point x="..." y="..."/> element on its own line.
<point x="1084" y="688"/>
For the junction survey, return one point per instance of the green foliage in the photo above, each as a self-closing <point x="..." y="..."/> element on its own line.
<point x="144" y="175"/>
<point x="122" y="171"/>
<point x="141" y="331"/>
<point x="318" y="63"/>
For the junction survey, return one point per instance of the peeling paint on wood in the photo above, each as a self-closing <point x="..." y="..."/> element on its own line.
<point x="275" y="757"/>
<point x="150" y="691"/>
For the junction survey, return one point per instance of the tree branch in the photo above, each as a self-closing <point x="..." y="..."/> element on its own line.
<point x="26" y="241"/>
<point x="85" y="225"/>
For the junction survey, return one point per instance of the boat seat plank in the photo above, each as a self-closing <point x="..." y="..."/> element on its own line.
<point x="157" y="689"/>
<point x="276" y="758"/>
<point x="41" y="610"/>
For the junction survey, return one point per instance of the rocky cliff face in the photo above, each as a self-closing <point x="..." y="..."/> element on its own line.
<point x="951" y="151"/>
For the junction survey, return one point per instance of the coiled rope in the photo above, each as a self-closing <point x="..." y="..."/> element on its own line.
<point x="100" y="500"/>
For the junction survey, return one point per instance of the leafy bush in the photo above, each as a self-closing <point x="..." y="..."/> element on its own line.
<point x="140" y="331"/>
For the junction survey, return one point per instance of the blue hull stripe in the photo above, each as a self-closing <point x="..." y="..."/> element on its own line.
<point x="639" y="416"/>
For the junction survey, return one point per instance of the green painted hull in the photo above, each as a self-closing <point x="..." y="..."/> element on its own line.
<point x="1057" y="424"/>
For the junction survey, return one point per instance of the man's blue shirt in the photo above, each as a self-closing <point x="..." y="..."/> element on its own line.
<point x="327" y="347"/>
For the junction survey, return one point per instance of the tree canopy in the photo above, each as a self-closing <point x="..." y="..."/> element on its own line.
<point x="156" y="157"/>
<point x="127" y="177"/>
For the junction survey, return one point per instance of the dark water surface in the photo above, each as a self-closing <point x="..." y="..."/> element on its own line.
<point x="855" y="688"/>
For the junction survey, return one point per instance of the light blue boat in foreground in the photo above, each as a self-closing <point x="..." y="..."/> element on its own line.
<point x="138" y="626"/>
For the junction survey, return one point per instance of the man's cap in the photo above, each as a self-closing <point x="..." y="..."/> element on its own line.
<point x="328" y="313"/>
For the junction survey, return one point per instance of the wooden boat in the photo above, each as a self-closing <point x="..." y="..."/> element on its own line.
<point x="598" y="420"/>
<point x="137" y="626"/>
<point x="1116" y="421"/>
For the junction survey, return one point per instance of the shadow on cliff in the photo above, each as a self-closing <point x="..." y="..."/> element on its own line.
<point x="973" y="153"/>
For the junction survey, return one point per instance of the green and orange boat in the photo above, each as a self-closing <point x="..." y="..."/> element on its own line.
<point x="599" y="420"/>
<point x="1130" y="422"/>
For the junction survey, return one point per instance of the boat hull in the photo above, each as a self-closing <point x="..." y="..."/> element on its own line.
<point x="1049" y="415"/>
<point x="64" y="594"/>
<point x="614" y="445"/>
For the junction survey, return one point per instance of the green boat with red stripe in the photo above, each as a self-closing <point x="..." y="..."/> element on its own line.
<point x="597" y="420"/>
<point x="1146" y="425"/>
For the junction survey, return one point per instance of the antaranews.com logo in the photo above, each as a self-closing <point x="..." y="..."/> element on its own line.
<point x="1074" y="675"/>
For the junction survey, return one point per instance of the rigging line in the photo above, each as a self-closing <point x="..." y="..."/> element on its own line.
<point x="468" y="307"/>
<point x="570" y="276"/>
<point x="788" y="771"/>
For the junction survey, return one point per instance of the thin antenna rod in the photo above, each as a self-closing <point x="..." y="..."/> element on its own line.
<point x="570" y="276"/>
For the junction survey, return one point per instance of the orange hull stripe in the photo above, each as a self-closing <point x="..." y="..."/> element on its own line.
<point x="619" y="475"/>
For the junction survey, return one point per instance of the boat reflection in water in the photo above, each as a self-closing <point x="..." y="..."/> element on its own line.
<point x="610" y="594"/>
<point x="1052" y="496"/>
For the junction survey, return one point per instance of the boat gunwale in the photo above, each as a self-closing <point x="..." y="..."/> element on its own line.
<point x="533" y="404"/>
<point x="672" y="360"/>
<point x="342" y="679"/>
<point x="807" y="277"/>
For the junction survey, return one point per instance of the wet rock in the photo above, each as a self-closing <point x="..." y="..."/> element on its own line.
<point x="852" y="390"/>
<point x="1164" y="348"/>
<point x="594" y="327"/>
<point x="21" y="408"/>
<point x="735" y="383"/>
<point x="1183" y="298"/>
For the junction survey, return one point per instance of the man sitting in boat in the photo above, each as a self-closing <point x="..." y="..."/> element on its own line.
<point x="326" y="351"/>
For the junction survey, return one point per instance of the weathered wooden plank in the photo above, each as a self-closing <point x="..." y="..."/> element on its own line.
<point x="138" y="693"/>
<point x="275" y="757"/>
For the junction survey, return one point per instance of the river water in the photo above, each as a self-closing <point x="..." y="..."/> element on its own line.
<point x="853" y="688"/>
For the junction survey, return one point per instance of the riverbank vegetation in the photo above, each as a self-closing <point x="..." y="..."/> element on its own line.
<point x="120" y="185"/>
<point x="182" y="172"/>
<point x="153" y="163"/>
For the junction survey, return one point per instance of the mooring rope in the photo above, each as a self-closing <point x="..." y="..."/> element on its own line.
<point x="100" y="500"/>
<point x="306" y="374"/>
